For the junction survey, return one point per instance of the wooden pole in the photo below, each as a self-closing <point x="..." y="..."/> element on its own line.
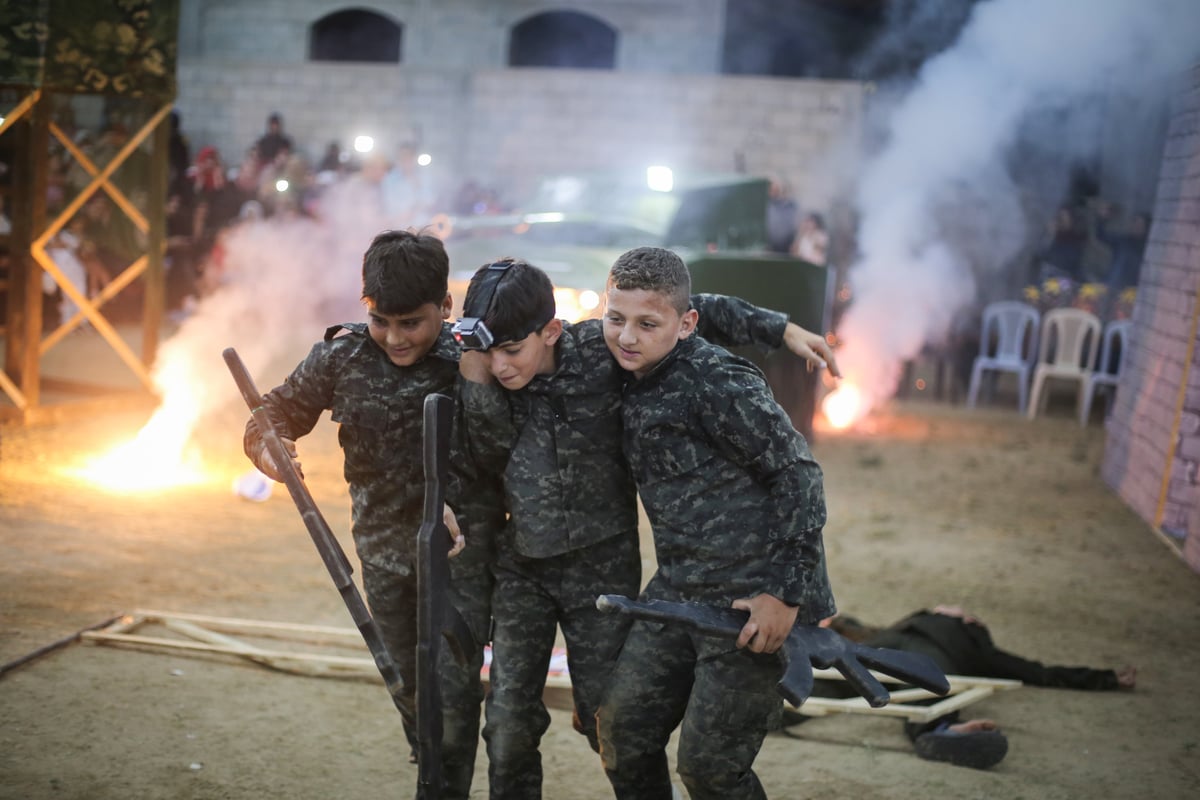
<point x="155" y="280"/>
<point x="1181" y="398"/>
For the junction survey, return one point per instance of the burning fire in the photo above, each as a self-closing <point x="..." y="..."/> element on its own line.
<point x="843" y="407"/>
<point x="157" y="458"/>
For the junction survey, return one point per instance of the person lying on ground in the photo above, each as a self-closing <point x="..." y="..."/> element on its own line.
<point x="961" y="644"/>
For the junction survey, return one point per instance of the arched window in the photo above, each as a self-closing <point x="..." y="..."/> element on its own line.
<point x="563" y="39"/>
<point x="355" y="35"/>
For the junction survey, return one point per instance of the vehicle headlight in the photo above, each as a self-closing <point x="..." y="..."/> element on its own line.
<point x="576" y="304"/>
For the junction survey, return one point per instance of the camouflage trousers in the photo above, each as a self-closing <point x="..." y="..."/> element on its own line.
<point x="723" y="699"/>
<point x="532" y="598"/>
<point x="392" y="598"/>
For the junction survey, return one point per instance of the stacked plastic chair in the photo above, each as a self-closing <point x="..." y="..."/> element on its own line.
<point x="1013" y="326"/>
<point x="1107" y="374"/>
<point x="1067" y="352"/>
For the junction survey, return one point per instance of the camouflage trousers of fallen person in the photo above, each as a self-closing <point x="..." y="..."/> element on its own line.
<point x="392" y="598"/>
<point x="722" y="699"/>
<point x="532" y="598"/>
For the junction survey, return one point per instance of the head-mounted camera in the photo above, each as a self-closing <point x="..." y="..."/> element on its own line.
<point x="470" y="330"/>
<point x="473" y="334"/>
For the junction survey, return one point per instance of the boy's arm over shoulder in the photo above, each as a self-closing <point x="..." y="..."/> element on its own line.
<point x="733" y="322"/>
<point x="478" y="459"/>
<point x="485" y="426"/>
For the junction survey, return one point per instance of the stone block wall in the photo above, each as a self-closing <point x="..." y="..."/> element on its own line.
<point x="1152" y="455"/>
<point x="663" y="103"/>
<point x="504" y="127"/>
<point x="661" y="36"/>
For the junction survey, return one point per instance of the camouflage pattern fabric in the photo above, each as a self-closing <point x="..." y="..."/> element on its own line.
<point x="393" y="601"/>
<point x="723" y="699"/>
<point x="533" y="597"/>
<point x="379" y="408"/>
<point x="737" y="507"/>
<point x="126" y="48"/>
<point x="567" y="482"/>
<point x="733" y="495"/>
<point x="572" y="534"/>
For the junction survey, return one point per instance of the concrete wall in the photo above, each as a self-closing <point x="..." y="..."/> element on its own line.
<point x="655" y="35"/>
<point x="1152" y="456"/>
<point x="664" y="103"/>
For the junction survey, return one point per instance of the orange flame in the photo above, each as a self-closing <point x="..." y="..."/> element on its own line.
<point x="157" y="458"/>
<point x="843" y="406"/>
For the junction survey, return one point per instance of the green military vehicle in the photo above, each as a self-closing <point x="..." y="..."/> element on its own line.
<point x="574" y="227"/>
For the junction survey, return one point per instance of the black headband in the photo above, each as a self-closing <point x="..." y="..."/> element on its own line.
<point x="470" y="330"/>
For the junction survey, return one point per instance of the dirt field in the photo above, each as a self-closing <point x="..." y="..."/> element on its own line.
<point x="933" y="504"/>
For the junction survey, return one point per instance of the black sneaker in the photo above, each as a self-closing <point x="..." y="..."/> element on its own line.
<point x="978" y="750"/>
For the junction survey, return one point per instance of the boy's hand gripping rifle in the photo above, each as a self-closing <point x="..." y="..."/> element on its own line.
<point x="322" y="536"/>
<point x="436" y="617"/>
<point x="805" y="645"/>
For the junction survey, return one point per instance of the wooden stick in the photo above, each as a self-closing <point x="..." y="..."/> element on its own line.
<point x="63" y="642"/>
<point x="236" y="650"/>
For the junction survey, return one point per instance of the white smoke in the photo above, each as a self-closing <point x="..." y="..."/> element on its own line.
<point x="938" y="205"/>
<point x="283" y="281"/>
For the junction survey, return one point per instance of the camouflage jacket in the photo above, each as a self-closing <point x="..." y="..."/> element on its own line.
<point x="379" y="409"/>
<point x="732" y="492"/>
<point x="567" y="483"/>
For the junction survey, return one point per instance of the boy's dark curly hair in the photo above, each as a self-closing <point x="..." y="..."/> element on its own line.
<point x="655" y="269"/>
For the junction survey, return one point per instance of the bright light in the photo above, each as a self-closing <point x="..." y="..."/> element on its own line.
<point x="549" y="216"/>
<point x="363" y="144"/>
<point x="155" y="459"/>
<point x="574" y="305"/>
<point x="660" y="179"/>
<point x="843" y="406"/>
<point x="281" y="185"/>
<point x="424" y="160"/>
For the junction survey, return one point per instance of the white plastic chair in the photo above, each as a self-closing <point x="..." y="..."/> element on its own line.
<point x="1070" y="339"/>
<point x="1014" y="325"/>
<point x="1116" y="336"/>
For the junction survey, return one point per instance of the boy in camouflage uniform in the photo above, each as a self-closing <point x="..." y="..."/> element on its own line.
<point x="573" y="528"/>
<point x="374" y="377"/>
<point x="736" y="504"/>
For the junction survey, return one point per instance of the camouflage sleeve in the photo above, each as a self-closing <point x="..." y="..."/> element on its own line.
<point x="731" y="321"/>
<point x="488" y="427"/>
<point x="480" y="447"/>
<point x="296" y="404"/>
<point x="753" y="431"/>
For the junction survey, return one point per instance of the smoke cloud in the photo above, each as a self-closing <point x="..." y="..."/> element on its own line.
<point x="284" y="281"/>
<point x="938" y="205"/>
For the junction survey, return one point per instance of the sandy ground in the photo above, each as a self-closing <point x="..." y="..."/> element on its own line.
<point x="931" y="504"/>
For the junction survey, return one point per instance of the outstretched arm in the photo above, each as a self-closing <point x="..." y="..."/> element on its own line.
<point x="733" y="322"/>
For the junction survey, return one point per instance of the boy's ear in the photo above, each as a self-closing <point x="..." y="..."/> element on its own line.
<point x="553" y="330"/>
<point x="447" y="306"/>
<point x="687" y="323"/>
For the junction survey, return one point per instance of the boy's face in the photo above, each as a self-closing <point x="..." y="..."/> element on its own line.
<point x="514" y="364"/>
<point x="641" y="327"/>
<point x="406" y="338"/>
